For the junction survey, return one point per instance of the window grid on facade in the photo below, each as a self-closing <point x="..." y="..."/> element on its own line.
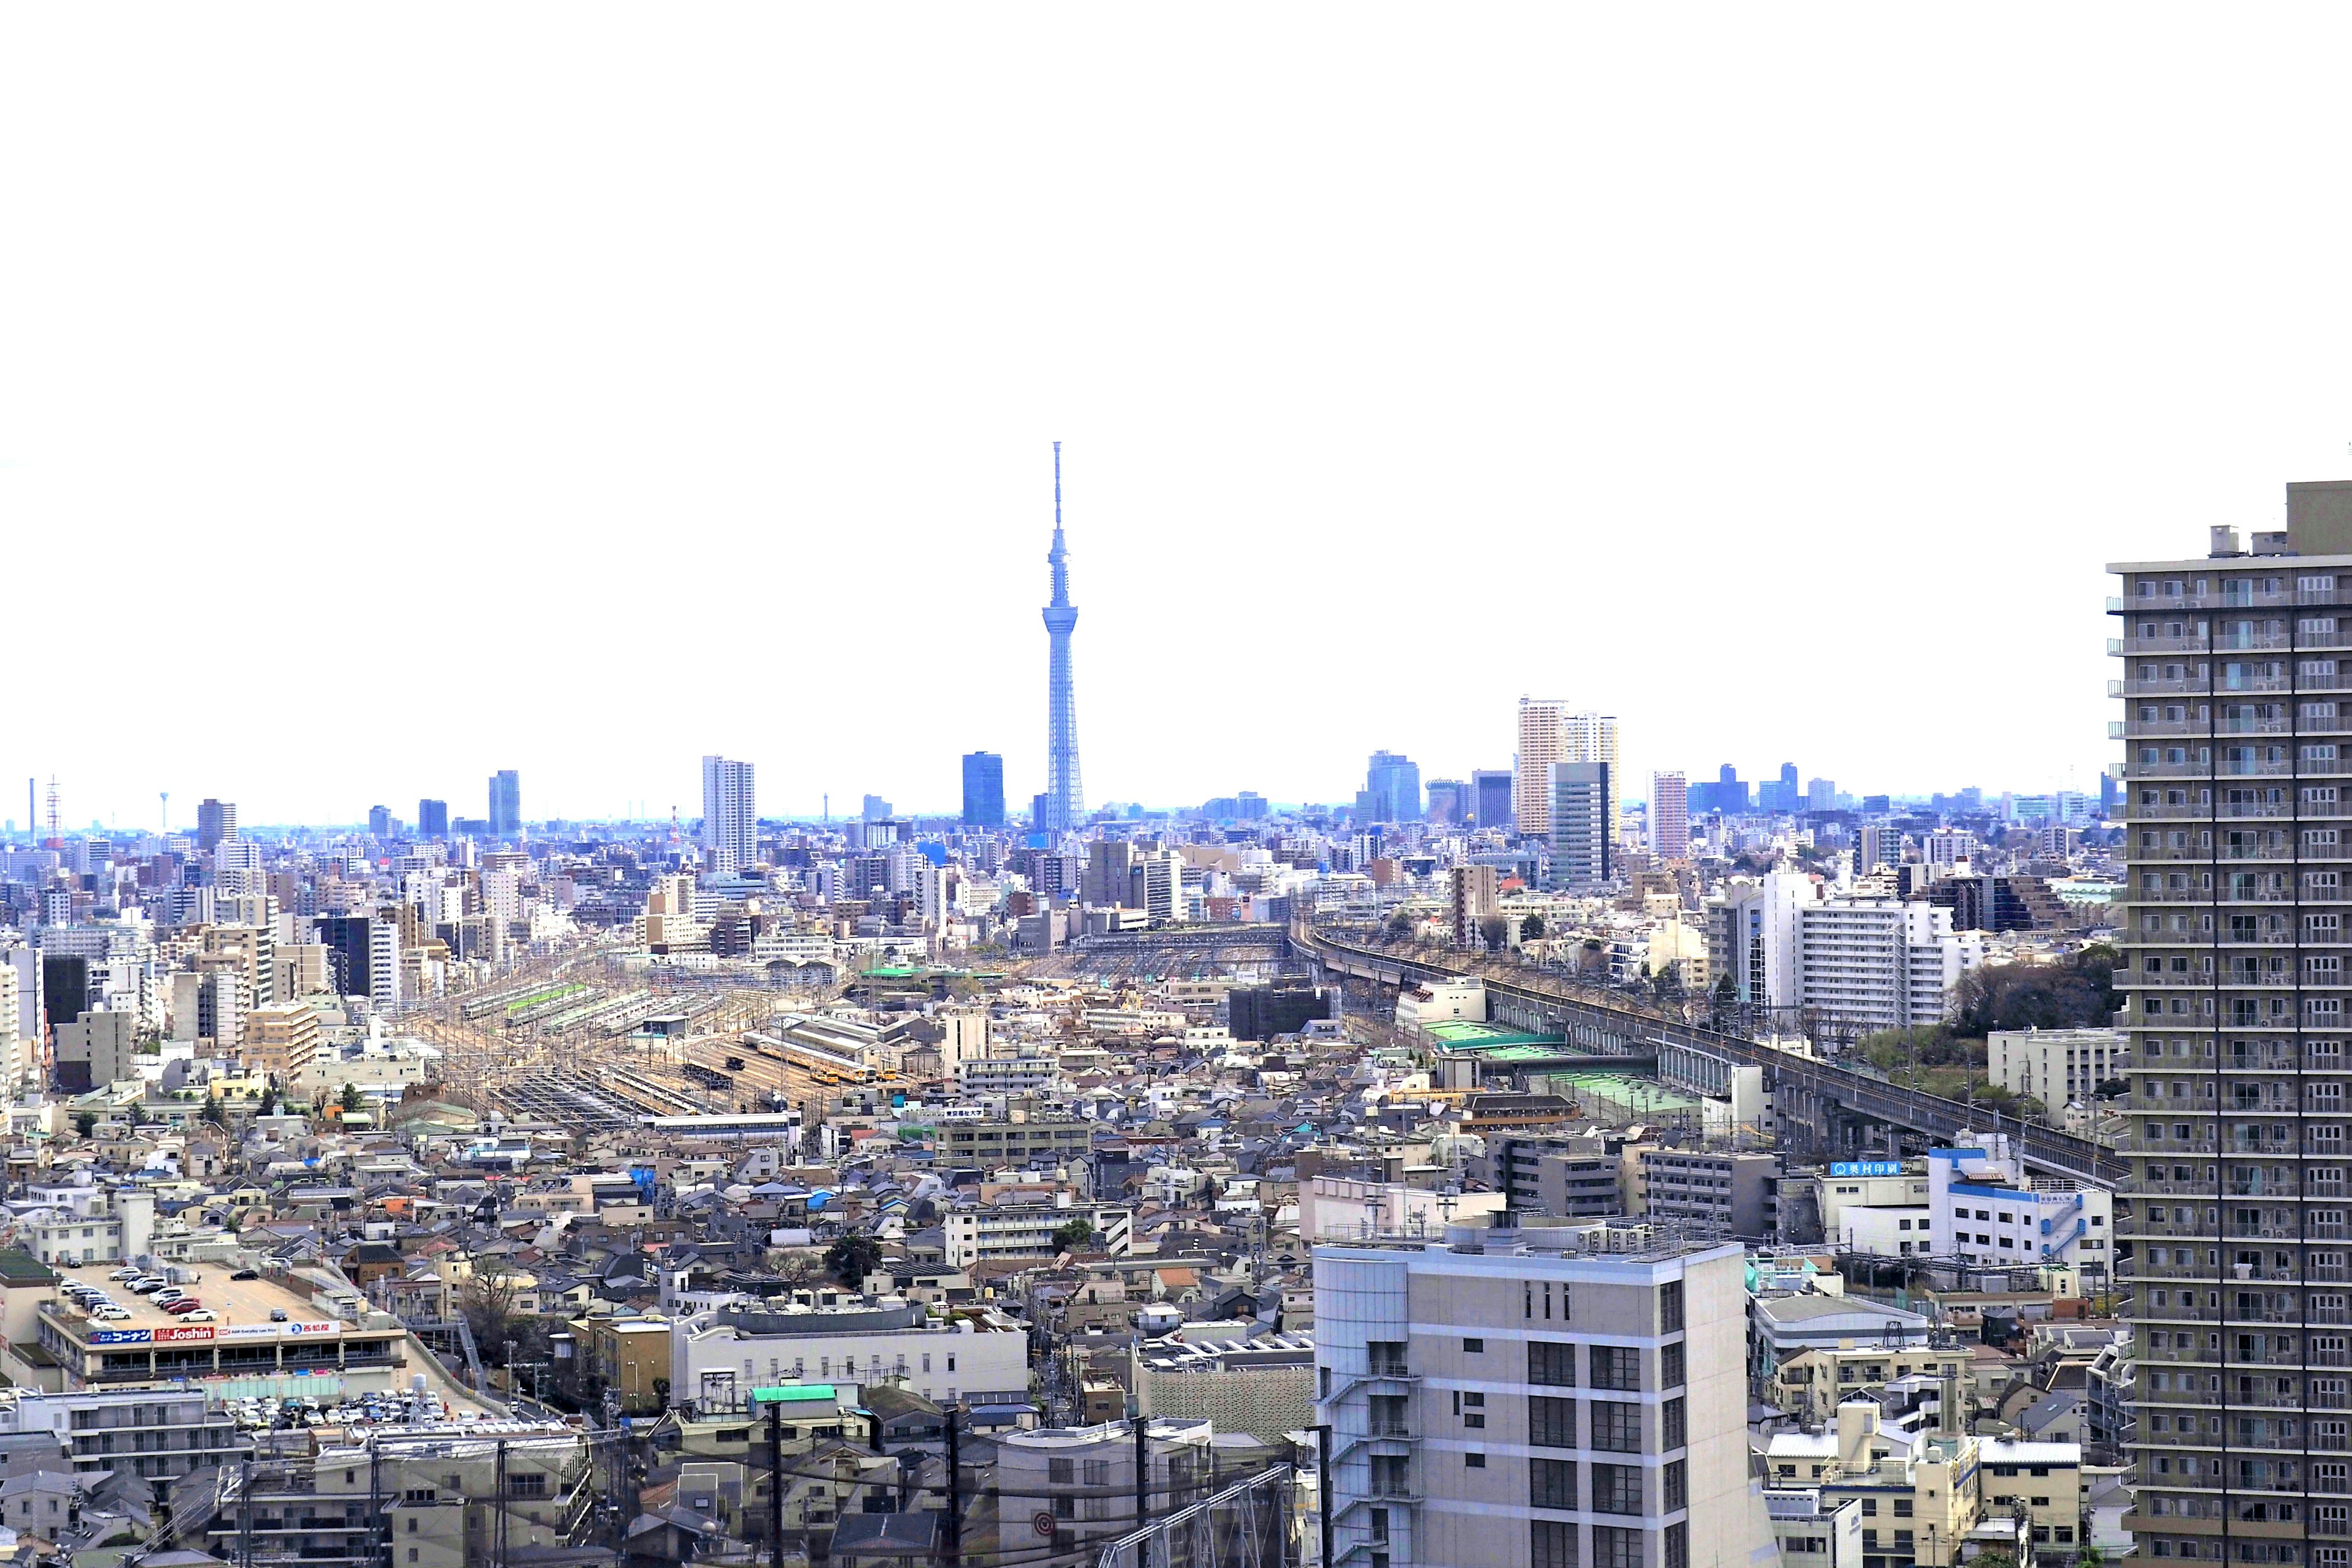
<point x="1614" y="1546"/>
<point x="1551" y="1423"/>
<point x="1616" y="1428"/>
<point x="1551" y="1544"/>
<point x="1552" y="1483"/>
<point x="1551" y="1364"/>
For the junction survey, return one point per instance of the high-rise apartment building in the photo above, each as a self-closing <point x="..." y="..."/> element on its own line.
<point x="380" y="821"/>
<point x="983" y="790"/>
<point x="2232" y="922"/>
<point x="1555" y="1396"/>
<point x="1582" y="816"/>
<point x="1550" y="732"/>
<point x="215" y="820"/>
<point x="1670" y="816"/>
<point x="432" y="819"/>
<point x="1543" y="740"/>
<point x="1475" y="892"/>
<point x="506" y="804"/>
<point x="731" y="818"/>
<point x="1392" y="788"/>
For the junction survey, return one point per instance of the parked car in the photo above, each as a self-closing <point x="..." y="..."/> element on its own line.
<point x="200" y="1315"/>
<point x="277" y="1315"/>
<point x="183" y="1306"/>
<point x="245" y="1273"/>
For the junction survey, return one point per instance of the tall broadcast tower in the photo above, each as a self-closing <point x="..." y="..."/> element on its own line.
<point x="1064" y="801"/>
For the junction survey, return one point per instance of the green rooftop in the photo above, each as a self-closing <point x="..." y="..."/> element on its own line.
<point x="1461" y="1034"/>
<point x="792" y="1393"/>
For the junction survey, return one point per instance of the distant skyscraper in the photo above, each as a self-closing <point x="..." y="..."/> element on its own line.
<point x="1582" y="811"/>
<point x="1670" y="816"/>
<point x="1490" y="798"/>
<point x="432" y="819"/>
<point x="1065" y="799"/>
<point x="215" y="820"/>
<point x="506" y="804"/>
<point x="1392" y="787"/>
<point x="380" y="821"/>
<point x="1448" y="800"/>
<point x="1548" y="734"/>
<point x="875" y="808"/>
<point x="731" y="819"/>
<point x="983" y="790"/>
<point x="1542" y="742"/>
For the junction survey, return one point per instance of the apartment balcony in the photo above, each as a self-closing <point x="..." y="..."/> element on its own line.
<point x="2135" y="648"/>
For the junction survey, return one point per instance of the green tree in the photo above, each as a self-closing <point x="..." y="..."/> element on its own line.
<point x="1725" y="990"/>
<point x="351" y="1100"/>
<point x="213" y="1114"/>
<point x="1400" y="926"/>
<point x="852" y="1258"/>
<point x="1494" y="930"/>
<point x="269" y="1100"/>
<point x="84" y="1120"/>
<point x="1074" y="1236"/>
<point x="1531" y="929"/>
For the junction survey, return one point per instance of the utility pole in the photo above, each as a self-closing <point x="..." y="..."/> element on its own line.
<point x="776" y="1484"/>
<point x="1142" y="1473"/>
<point x="1323" y="1488"/>
<point x="955" y="1498"/>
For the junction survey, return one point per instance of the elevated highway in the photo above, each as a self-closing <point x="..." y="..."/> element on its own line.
<point x="1833" y="1102"/>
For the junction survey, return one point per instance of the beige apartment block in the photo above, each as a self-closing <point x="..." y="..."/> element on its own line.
<point x="1537" y="1397"/>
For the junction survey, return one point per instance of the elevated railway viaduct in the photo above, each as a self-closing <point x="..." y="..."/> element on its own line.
<point x="1842" y="1113"/>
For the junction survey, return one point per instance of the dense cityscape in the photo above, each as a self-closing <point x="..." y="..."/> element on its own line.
<point x="1227" y="787"/>
<point x="1682" y="1170"/>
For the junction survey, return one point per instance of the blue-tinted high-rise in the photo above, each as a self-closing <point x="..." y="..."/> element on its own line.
<point x="983" y="790"/>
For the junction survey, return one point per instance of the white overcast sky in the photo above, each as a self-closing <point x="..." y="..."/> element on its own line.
<point x="391" y="395"/>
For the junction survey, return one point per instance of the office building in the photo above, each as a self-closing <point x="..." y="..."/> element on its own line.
<point x="1447" y="800"/>
<point x="1669" y="817"/>
<point x="2232" y="926"/>
<point x="506" y="804"/>
<point x="983" y="790"/>
<point x="1781" y="794"/>
<point x="1392" y="789"/>
<point x="1566" y="1177"/>
<point x="1065" y="798"/>
<point x="2056" y="1066"/>
<point x="1261" y="1012"/>
<point x="379" y="821"/>
<point x="215" y="820"/>
<point x="1582" y="822"/>
<point x="95" y="1050"/>
<point x="432" y="819"/>
<point x="874" y="808"/>
<point x="1490" y="798"/>
<point x="731" y="817"/>
<point x="1983" y="1208"/>
<point x="363" y="957"/>
<point x="1543" y="1395"/>
<point x="718" y="1357"/>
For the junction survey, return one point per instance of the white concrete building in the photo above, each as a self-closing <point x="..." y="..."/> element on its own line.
<point x="2056" y="1066"/>
<point x="1881" y="964"/>
<point x="1548" y="1395"/>
<point x="718" y="1357"/>
<point x="731" y="826"/>
<point x="1027" y="1230"/>
<point x="1014" y="1076"/>
<point x="1752" y="936"/>
<point x="1068" y="1487"/>
<point x="1985" y="1209"/>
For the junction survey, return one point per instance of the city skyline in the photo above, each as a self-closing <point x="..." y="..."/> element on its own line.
<point x="1269" y="463"/>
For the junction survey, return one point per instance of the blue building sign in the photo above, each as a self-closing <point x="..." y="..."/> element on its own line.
<point x="1867" y="1168"/>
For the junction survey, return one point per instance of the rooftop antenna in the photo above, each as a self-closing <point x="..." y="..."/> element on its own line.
<point x="166" y="796"/>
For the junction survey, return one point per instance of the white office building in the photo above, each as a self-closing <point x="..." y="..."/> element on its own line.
<point x="731" y="820"/>
<point x="1984" y="1209"/>
<point x="718" y="1357"/>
